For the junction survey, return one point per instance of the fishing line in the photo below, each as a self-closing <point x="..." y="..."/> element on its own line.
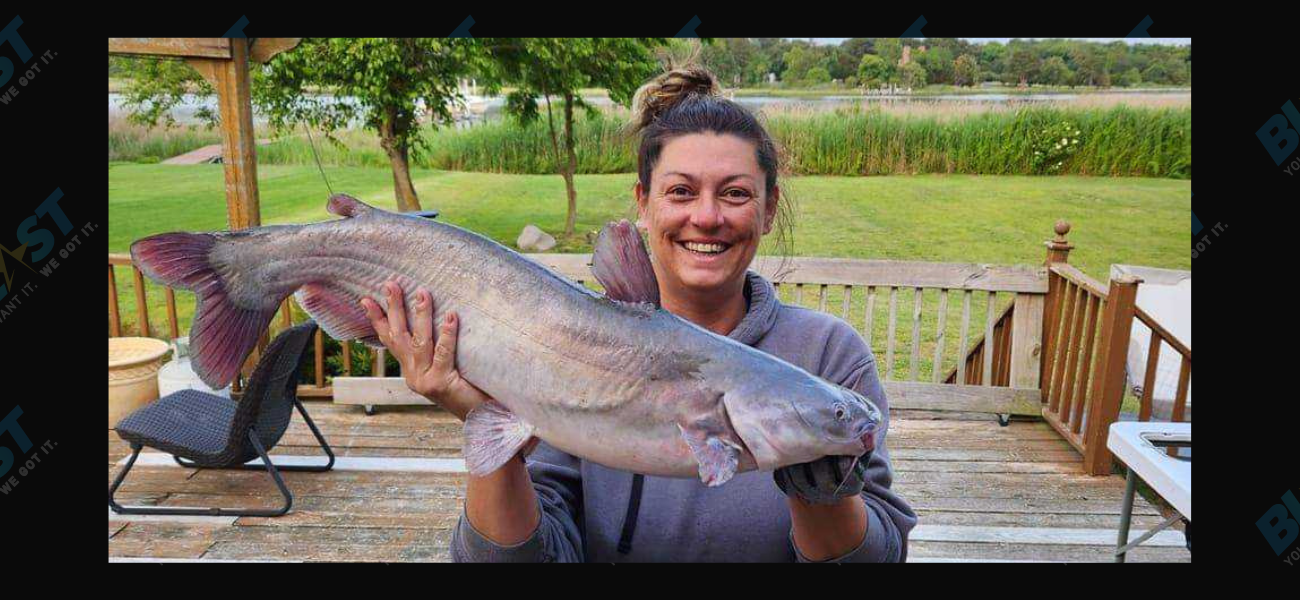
<point x="317" y="157"/>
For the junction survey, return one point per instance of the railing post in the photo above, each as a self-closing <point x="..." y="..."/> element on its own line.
<point x="1108" y="382"/>
<point x="1058" y="251"/>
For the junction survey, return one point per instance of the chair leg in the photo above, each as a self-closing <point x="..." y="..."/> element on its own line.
<point x="214" y="511"/>
<point x="298" y="468"/>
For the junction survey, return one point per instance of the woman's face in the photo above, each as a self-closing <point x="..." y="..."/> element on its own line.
<point x="705" y="211"/>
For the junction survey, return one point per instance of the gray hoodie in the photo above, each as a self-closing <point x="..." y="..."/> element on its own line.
<point x="586" y="507"/>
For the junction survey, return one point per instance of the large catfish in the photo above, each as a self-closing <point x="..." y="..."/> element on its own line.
<point x="610" y="378"/>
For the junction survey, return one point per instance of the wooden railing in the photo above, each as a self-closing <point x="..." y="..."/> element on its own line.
<point x="1057" y="349"/>
<point x="998" y="361"/>
<point x="1159" y="337"/>
<point x="842" y="278"/>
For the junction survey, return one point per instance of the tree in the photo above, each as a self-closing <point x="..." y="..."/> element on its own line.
<point x="912" y="75"/>
<point x="729" y="59"/>
<point x="872" y="71"/>
<point x="558" y="68"/>
<point x="891" y="50"/>
<point x="858" y="47"/>
<point x="1131" y="78"/>
<point x="1156" y="73"/>
<point x="841" y="63"/>
<point x="1055" y="72"/>
<point x="966" y="71"/>
<point x="799" y="60"/>
<point x="1020" y="63"/>
<point x="938" y="63"/>
<point x="817" y="75"/>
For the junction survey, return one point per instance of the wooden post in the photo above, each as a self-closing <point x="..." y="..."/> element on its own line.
<point x="1108" y="384"/>
<point x="1026" y="340"/>
<point x="1058" y="251"/>
<point x="231" y="80"/>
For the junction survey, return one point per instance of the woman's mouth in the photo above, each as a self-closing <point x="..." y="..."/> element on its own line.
<point x="705" y="251"/>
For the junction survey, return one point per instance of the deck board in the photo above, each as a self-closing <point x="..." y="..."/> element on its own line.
<point x="982" y="492"/>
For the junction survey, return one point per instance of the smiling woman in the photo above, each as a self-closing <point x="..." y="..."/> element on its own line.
<point x="706" y="195"/>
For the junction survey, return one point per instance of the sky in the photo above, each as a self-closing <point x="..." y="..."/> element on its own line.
<point x="1170" y="41"/>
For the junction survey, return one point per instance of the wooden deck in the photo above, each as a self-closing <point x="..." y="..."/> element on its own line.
<point x="983" y="492"/>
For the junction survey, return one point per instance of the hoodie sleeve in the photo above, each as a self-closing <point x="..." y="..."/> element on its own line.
<point x="889" y="517"/>
<point x="557" y="480"/>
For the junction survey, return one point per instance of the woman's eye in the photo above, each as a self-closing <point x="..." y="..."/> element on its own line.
<point x="736" y="196"/>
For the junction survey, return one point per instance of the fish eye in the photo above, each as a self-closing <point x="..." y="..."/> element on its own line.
<point x="839" y="411"/>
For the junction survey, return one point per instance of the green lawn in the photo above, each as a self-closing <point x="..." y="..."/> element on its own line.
<point x="953" y="218"/>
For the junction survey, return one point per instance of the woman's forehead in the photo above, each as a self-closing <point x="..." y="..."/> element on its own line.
<point x="708" y="156"/>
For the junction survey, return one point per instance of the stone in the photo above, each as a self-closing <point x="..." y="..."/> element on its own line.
<point x="534" y="240"/>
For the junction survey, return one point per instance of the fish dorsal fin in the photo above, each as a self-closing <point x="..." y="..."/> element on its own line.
<point x="346" y="206"/>
<point x="621" y="264"/>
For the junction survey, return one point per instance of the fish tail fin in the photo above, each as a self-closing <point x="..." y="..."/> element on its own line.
<point x="224" y="332"/>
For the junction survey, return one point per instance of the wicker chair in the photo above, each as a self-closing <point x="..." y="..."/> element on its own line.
<point x="214" y="432"/>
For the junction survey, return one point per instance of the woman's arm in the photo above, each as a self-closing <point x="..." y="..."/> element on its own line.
<point x="878" y="520"/>
<point x="546" y="531"/>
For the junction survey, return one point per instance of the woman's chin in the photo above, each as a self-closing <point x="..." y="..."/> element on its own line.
<point x="705" y="280"/>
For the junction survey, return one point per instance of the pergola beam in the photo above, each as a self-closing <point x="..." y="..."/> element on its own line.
<point x="182" y="47"/>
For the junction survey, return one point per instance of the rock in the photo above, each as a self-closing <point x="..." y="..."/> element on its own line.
<point x="534" y="240"/>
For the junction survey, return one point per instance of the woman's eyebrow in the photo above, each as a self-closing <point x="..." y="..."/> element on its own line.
<point x="692" y="177"/>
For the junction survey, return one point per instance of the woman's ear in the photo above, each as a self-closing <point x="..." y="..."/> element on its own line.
<point x="769" y="211"/>
<point x="640" y="205"/>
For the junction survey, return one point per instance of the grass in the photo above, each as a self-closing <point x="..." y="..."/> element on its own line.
<point x="1116" y="139"/>
<point x="137" y="143"/>
<point x="959" y="218"/>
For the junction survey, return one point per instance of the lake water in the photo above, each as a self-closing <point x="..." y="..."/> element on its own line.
<point x="186" y="111"/>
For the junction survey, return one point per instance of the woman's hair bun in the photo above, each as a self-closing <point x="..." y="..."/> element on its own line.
<point x="666" y="90"/>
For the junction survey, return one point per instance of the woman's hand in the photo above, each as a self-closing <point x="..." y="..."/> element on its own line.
<point x="428" y="365"/>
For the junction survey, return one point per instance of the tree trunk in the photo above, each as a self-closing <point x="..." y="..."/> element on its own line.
<point x="398" y="155"/>
<point x="571" y="165"/>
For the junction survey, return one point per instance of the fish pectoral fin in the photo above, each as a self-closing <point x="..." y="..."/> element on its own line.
<point x="718" y="457"/>
<point x="622" y="265"/>
<point x="493" y="435"/>
<point x="337" y="312"/>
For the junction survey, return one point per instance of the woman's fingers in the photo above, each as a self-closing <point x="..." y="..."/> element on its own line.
<point x="444" y="352"/>
<point x="378" y="320"/>
<point x="422" y="331"/>
<point x="396" y="312"/>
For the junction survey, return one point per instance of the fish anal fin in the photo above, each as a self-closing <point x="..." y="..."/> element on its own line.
<point x="493" y="435"/>
<point x="338" y="312"/>
<point x="621" y="264"/>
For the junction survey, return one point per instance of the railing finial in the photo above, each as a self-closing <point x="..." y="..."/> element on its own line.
<point x="1058" y="250"/>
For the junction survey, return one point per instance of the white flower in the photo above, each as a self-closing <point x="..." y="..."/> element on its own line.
<point x="1037" y="153"/>
<point x="1058" y="164"/>
<point x="1074" y="141"/>
<point x="1064" y="141"/>
<point x="1076" y="132"/>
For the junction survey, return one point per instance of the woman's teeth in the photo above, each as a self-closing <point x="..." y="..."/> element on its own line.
<point x="704" y="248"/>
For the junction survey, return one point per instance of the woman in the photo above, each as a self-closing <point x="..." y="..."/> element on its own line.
<point x="706" y="194"/>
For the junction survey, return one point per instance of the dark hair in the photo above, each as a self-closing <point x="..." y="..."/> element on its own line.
<point x="687" y="100"/>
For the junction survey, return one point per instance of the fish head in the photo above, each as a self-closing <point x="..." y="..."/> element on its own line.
<point x="844" y="420"/>
<point x="784" y="423"/>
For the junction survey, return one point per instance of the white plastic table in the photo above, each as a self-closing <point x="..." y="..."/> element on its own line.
<point x="1171" y="478"/>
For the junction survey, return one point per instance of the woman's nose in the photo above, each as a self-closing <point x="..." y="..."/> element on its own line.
<point x="707" y="213"/>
